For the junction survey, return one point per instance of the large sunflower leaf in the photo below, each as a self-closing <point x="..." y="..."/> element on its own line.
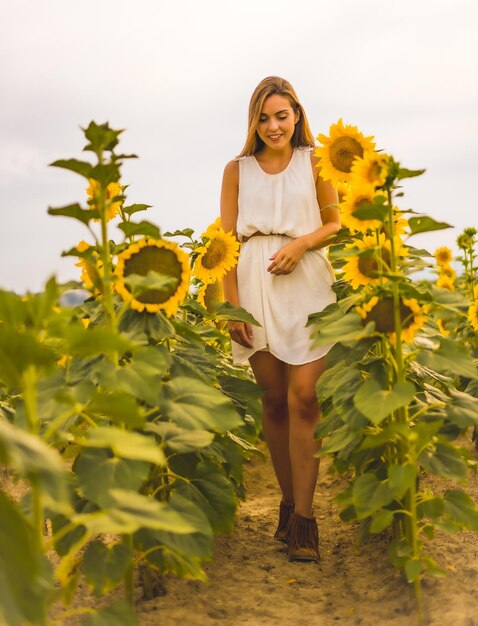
<point x="124" y="444"/>
<point x="213" y="493"/>
<point x="191" y="403"/>
<point x="31" y="458"/>
<point x="228" y="312"/>
<point x="180" y="440"/>
<point x="370" y="494"/>
<point x="97" y="472"/>
<point x="444" y="460"/>
<point x="121" y="407"/>
<point x="92" y="341"/>
<point x="140" y="228"/>
<point x="425" y="224"/>
<point x="376" y="403"/>
<point x="344" y="329"/>
<point x="134" y="208"/>
<point x="79" y="167"/>
<point x="129" y="511"/>
<point x="104" y="566"/>
<point x="20" y="351"/>
<point x="76" y="212"/>
<point x="461" y="508"/>
<point x="451" y="356"/>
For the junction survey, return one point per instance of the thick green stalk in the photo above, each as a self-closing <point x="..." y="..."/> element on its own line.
<point x="129" y="575"/>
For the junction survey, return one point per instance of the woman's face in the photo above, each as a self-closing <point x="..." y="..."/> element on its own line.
<point x="277" y="122"/>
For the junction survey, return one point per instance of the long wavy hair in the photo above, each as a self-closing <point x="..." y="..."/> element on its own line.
<point x="270" y="86"/>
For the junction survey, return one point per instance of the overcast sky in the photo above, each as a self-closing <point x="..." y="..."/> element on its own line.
<point x="178" y="76"/>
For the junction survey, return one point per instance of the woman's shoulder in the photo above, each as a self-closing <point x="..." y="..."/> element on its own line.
<point x="231" y="171"/>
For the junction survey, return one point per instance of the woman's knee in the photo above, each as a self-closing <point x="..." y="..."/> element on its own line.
<point x="302" y="400"/>
<point x="275" y="405"/>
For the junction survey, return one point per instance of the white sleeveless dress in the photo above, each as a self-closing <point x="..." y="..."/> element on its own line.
<point x="283" y="203"/>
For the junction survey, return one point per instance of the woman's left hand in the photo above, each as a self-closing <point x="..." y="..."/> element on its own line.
<point x="285" y="260"/>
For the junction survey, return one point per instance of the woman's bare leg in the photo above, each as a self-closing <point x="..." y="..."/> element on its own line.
<point x="304" y="415"/>
<point x="272" y="375"/>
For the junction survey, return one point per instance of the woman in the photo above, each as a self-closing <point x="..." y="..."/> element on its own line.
<point x="275" y="201"/>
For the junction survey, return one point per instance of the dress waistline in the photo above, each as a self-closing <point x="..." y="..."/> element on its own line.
<point x="259" y="234"/>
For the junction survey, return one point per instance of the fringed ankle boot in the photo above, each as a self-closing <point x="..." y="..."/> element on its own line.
<point x="285" y="514"/>
<point x="303" y="538"/>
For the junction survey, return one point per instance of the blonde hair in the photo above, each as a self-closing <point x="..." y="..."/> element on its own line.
<point x="268" y="87"/>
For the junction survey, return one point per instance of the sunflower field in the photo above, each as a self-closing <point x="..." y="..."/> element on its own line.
<point x="124" y="424"/>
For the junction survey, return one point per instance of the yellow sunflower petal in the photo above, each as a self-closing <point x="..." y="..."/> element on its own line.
<point x="216" y="257"/>
<point x="356" y="197"/>
<point x="340" y="148"/>
<point x="473" y="315"/>
<point x="372" y="169"/>
<point x="443" y="256"/>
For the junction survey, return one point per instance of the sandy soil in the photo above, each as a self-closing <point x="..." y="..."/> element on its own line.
<point x="252" y="583"/>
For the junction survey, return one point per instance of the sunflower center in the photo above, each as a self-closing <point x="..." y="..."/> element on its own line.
<point x="382" y="315"/>
<point x="160" y="260"/>
<point x="343" y="151"/>
<point x="216" y="252"/>
<point x="369" y="265"/>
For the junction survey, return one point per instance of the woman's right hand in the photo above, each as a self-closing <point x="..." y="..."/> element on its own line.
<point x="241" y="333"/>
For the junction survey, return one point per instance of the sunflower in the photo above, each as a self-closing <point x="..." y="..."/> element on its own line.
<point x="366" y="307"/>
<point x="371" y="260"/>
<point x="445" y="282"/>
<point x="209" y="294"/>
<point x="443" y="255"/>
<point x="217" y="256"/>
<point x="342" y="190"/>
<point x="339" y="150"/>
<point x="448" y="271"/>
<point x="357" y="196"/>
<point x="372" y="169"/>
<point x="161" y="256"/>
<point x="91" y="268"/>
<point x="411" y="315"/>
<point x="213" y="228"/>
<point x="113" y="190"/>
<point x="473" y="315"/>
<point x="442" y="328"/>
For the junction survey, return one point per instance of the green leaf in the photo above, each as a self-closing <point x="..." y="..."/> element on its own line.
<point x="213" y="493"/>
<point x="377" y="403"/>
<point x="461" y="508"/>
<point x="31" y="458"/>
<point x="370" y="494"/>
<point x="119" y="406"/>
<point x="129" y="511"/>
<point x="104" y="566"/>
<point x="347" y="328"/>
<point x="451" y="356"/>
<point x="404" y="173"/>
<point x="123" y="443"/>
<point x="135" y="208"/>
<point x="152" y="280"/>
<point x="145" y="228"/>
<point x="97" y="472"/>
<point x="425" y="224"/>
<point x="191" y="546"/>
<point x="101" y="137"/>
<point x="401" y="478"/>
<point x="228" y="312"/>
<point x="20" y="351"/>
<point x="383" y="519"/>
<point x="341" y="439"/>
<point x="190" y="403"/>
<point x="463" y="409"/>
<point x="377" y="210"/>
<point x="26" y="581"/>
<point x="186" y="232"/>
<point x="79" y="167"/>
<point x="413" y="568"/>
<point x="76" y="212"/>
<point x="118" y="614"/>
<point x="93" y="341"/>
<point x="444" y="461"/>
<point x="178" y="439"/>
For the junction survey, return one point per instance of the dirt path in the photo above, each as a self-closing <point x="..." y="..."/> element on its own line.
<point x="252" y="583"/>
